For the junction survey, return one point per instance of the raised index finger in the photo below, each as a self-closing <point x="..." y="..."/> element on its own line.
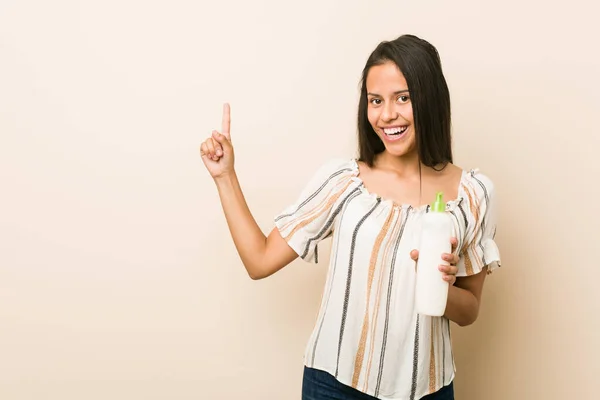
<point x="226" y="122"/>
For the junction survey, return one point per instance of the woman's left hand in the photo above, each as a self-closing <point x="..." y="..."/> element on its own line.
<point x="448" y="271"/>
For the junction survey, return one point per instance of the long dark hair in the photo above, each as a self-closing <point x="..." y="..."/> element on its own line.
<point x="420" y="64"/>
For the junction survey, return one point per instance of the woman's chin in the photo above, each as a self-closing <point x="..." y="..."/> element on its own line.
<point x="400" y="151"/>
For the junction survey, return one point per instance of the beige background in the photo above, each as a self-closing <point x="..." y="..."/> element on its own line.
<point x="118" y="279"/>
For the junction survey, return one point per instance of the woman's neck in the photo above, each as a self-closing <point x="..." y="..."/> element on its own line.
<point x="407" y="165"/>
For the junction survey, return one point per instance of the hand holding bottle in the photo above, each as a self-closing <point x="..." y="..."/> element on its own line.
<point x="448" y="271"/>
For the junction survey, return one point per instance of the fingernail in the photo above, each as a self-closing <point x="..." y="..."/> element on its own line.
<point x="219" y="153"/>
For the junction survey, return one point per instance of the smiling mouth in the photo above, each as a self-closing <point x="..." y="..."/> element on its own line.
<point x="395" y="131"/>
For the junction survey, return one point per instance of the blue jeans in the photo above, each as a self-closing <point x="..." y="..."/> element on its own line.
<point x="320" y="385"/>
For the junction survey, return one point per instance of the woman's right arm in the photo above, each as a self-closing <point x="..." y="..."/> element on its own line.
<point x="262" y="256"/>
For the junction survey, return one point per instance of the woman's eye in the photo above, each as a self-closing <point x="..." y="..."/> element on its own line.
<point x="375" y="102"/>
<point x="403" y="99"/>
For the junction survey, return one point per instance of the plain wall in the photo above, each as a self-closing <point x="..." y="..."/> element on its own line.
<point x="118" y="277"/>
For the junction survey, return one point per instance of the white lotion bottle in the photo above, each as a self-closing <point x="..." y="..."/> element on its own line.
<point x="431" y="292"/>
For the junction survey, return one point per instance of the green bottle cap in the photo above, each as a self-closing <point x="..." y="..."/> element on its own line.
<point x="438" y="205"/>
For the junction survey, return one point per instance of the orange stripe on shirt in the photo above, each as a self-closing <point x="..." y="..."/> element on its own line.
<point x="395" y="232"/>
<point x="317" y="213"/>
<point x="360" y="354"/>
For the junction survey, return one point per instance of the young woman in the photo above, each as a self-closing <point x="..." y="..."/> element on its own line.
<point x="368" y="341"/>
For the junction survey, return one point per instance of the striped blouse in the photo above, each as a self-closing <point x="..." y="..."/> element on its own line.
<point x="367" y="333"/>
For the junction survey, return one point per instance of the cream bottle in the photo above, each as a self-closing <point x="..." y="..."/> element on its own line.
<point x="431" y="292"/>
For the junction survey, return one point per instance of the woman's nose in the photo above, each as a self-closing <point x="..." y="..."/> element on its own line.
<point x="389" y="113"/>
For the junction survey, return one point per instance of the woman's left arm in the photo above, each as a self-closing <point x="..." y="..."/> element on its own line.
<point x="464" y="298"/>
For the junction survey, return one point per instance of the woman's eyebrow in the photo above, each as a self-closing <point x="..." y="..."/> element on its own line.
<point x="398" y="92"/>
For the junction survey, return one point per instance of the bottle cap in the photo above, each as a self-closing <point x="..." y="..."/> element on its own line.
<point x="438" y="205"/>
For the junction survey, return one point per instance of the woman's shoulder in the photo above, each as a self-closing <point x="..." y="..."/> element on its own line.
<point x="339" y="163"/>
<point x="480" y="180"/>
<point x="329" y="173"/>
<point x="477" y="186"/>
<point x="336" y="166"/>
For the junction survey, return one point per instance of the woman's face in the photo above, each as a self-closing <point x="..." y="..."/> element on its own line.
<point x="390" y="109"/>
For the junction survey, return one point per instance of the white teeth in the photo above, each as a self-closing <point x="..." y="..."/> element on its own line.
<point x="394" y="131"/>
